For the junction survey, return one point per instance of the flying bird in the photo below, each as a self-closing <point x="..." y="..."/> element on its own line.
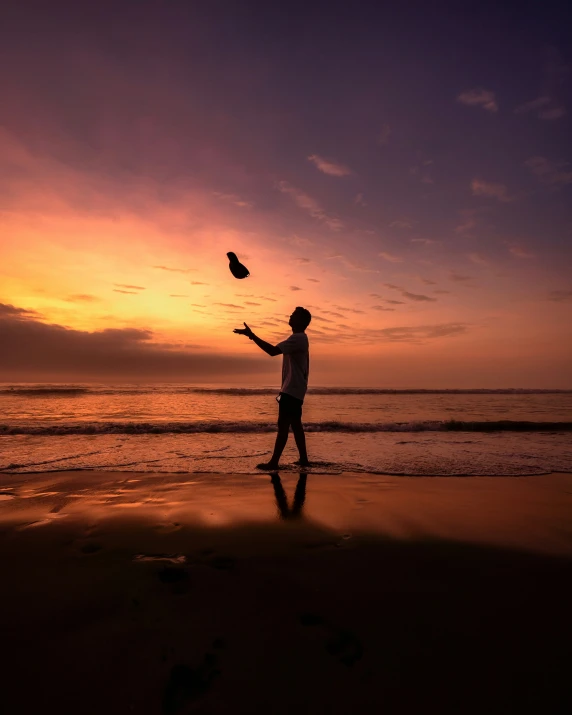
<point x="236" y="267"/>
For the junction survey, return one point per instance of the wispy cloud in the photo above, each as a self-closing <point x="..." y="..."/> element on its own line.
<point x="459" y="278"/>
<point x="381" y="308"/>
<point x="552" y="113"/>
<point x="178" y="295"/>
<point x="468" y="221"/>
<point x="422" y="332"/>
<point x="359" y="200"/>
<point x="310" y="205"/>
<point x="559" y="296"/>
<point x="521" y="252"/>
<point x="294" y="288"/>
<point x="392" y="258"/>
<point x="129" y="287"/>
<point x="301" y="259"/>
<point x="531" y="106"/>
<point x="479" y="98"/>
<point x="417" y="297"/>
<point x="234" y="199"/>
<point x="478" y="259"/>
<point x="82" y="298"/>
<point x="329" y="166"/>
<point x="198" y="283"/>
<point x="353" y="265"/>
<point x="549" y="172"/>
<point x="176" y="270"/>
<point x="425" y="241"/>
<point x="490" y="190"/>
<point x="401" y="223"/>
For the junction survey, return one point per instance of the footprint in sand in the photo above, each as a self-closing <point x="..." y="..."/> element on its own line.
<point x="186" y="684"/>
<point x="340" y="643"/>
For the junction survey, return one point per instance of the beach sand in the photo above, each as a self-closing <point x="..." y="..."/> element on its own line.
<point x="186" y="593"/>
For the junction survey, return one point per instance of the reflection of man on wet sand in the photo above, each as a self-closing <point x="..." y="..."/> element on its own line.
<point x="282" y="500"/>
<point x="295" y="368"/>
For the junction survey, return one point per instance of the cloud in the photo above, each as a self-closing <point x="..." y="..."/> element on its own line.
<point x="559" y="296"/>
<point x="468" y="222"/>
<point x="381" y="307"/>
<point x="313" y="280"/>
<point x="479" y="98"/>
<point x="394" y="302"/>
<point x="303" y="260"/>
<point x="353" y="265"/>
<point x="552" y="113"/>
<point x="549" y="172"/>
<point x="458" y="278"/>
<point x="489" y="189"/>
<point x="231" y="305"/>
<point x="427" y="281"/>
<point x="425" y="241"/>
<point x="129" y="287"/>
<point x="442" y="292"/>
<point x="417" y="297"/>
<point x="520" y="252"/>
<point x="331" y="312"/>
<point x="401" y="224"/>
<point x="392" y="258"/>
<point x="532" y="105"/>
<point x="300" y="241"/>
<point x="348" y="310"/>
<point x="82" y="298"/>
<point x="178" y="295"/>
<point x="478" y="259"/>
<point x="198" y="283"/>
<point x="8" y="310"/>
<point x="250" y="302"/>
<point x="294" y="288"/>
<point x="125" y="292"/>
<point x="33" y="350"/>
<point x="384" y="134"/>
<point x="359" y="200"/>
<point x="234" y="199"/>
<point x="322" y="320"/>
<point x="330" y="167"/>
<point x="310" y="205"/>
<point x="176" y="270"/>
<point x="421" y="332"/>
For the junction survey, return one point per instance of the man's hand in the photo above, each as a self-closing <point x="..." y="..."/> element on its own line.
<point x="244" y="331"/>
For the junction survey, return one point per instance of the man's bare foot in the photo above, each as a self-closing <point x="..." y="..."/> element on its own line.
<point x="268" y="465"/>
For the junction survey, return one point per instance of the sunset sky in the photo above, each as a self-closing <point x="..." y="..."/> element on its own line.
<point x="403" y="170"/>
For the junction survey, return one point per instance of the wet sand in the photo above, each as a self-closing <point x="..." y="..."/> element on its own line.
<point x="180" y="593"/>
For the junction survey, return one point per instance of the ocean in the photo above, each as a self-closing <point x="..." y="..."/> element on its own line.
<point x="216" y="428"/>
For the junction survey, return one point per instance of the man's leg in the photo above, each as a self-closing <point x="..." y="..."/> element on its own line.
<point x="300" y="438"/>
<point x="281" y="439"/>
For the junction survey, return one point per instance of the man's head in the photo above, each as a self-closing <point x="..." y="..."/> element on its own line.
<point x="300" y="319"/>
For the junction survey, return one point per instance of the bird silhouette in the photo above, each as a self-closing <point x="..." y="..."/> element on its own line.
<point x="236" y="267"/>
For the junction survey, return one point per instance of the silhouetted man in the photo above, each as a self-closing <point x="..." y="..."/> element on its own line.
<point x="295" y="368"/>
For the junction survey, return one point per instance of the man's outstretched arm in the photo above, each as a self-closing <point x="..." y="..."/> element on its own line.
<point x="271" y="350"/>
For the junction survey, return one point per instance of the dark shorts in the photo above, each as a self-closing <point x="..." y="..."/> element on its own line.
<point x="289" y="406"/>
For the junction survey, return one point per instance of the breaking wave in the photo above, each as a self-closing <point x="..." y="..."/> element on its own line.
<point x="218" y="426"/>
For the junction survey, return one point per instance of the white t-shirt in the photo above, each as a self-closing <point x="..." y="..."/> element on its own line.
<point x="295" y="365"/>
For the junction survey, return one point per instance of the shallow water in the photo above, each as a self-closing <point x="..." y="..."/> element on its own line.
<point x="177" y="428"/>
